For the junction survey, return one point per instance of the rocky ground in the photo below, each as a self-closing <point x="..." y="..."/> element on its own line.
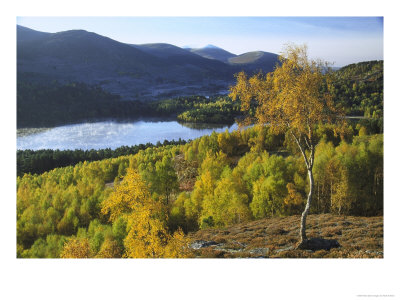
<point x="358" y="237"/>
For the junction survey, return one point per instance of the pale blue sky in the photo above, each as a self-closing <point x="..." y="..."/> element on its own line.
<point x="341" y="40"/>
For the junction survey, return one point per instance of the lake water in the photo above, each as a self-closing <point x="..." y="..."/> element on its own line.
<point x="110" y="134"/>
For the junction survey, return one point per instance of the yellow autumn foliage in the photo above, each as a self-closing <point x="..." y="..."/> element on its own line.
<point x="109" y="249"/>
<point x="76" y="248"/>
<point x="147" y="233"/>
<point x="290" y="98"/>
<point x="131" y="193"/>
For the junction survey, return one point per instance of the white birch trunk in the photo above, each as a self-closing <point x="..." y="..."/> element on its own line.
<point x="303" y="235"/>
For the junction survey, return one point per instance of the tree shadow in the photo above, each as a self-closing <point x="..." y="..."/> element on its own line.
<point x="316" y="244"/>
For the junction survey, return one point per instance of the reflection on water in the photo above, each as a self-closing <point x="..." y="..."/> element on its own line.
<point x="204" y="125"/>
<point x="110" y="134"/>
<point x="29" y="131"/>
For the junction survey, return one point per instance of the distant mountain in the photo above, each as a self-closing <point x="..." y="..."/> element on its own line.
<point x="145" y="71"/>
<point x="213" y="52"/>
<point x="249" y="62"/>
<point x="78" y="55"/>
<point x="255" y="61"/>
<point x="80" y="46"/>
<point x="134" y="72"/>
<point x="25" y="34"/>
<point x="211" y="46"/>
<point x="181" y="56"/>
<point x="162" y="50"/>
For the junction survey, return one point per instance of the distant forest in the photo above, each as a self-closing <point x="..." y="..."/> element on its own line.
<point x="57" y="104"/>
<point x="40" y="161"/>
<point x="358" y="88"/>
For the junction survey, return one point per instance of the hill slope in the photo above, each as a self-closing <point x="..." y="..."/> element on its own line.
<point x="364" y="71"/>
<point x="132" y="72"/>
<point x="255" y="61"/>
<point x="183" y="58"/>
<point x="135" y="72"/>
<point x="249" y="62"/>
<point x="359" y="88"/>
<point x="359" y="237"/>
<point x="213" y="52"/>
<point x="82" y="56"/>
<point x="25" y="34"/>
<point x="80" y="46"/>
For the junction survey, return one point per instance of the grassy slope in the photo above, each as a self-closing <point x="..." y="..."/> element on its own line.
<point x="360" y="237"/>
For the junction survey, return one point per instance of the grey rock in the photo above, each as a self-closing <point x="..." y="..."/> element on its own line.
<point x="374" y="252"/>
<point x="261" y="252"/>
<point x="202" y="244"/>
<point x="284" y="249"/>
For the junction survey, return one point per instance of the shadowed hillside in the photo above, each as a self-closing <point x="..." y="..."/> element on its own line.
<point x="139" y="72"/>
<point x="135" y="72"/>
<point x="25" y="34"/>
<point x="192" y="63"/>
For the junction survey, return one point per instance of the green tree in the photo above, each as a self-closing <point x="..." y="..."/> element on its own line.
<point x="269" y="190"/>
<point x="166" y="180"/>
<point x="227" y="205"/>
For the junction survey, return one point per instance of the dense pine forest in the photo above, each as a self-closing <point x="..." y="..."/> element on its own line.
<point x="77" y="204"/>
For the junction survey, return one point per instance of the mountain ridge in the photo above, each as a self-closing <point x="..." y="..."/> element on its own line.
<point x="135" y="72"/>
<point x="213" y="52"/>
<point x="131" y="71"/>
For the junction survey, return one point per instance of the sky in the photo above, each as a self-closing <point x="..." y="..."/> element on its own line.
<point x="339" y="40"/>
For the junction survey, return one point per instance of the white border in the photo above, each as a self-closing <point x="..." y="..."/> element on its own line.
<point x="197" y="279"/>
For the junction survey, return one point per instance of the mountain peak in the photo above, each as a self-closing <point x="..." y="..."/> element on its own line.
<point x="211" y="46"/>
<point x="213" y="52"/>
